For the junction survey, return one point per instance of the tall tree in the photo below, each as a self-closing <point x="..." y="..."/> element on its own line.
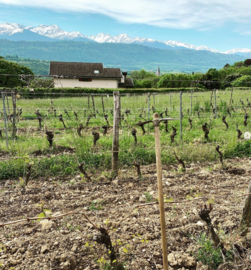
<point x="7" y="67"/>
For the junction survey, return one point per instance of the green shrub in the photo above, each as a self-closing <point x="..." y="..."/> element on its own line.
<point x="207" y="253"/>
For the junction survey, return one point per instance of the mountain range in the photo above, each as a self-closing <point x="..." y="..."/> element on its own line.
<point x="51" y="43"/>
<point x="18" y="32"/>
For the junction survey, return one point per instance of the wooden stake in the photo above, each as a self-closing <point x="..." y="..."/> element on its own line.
<point x="246" y="214"/>
<point x="14" y="114"/>
<point x="5" y="119"/>
<point x="160" y="189"/>
<point x="102" y="99"/>
<point x="93" y="104"/>
<point x="115" y="144"/>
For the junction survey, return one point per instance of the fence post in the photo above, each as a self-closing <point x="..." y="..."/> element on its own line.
<point x="115" y="143"/>
<point x="14" y="114"/>
<point x="170" y="102"/>
<point x="119" y="110"/>
<point x="181" y="116"/>
<point x="7" y="104"/>
<point x="5" y="119"/>
<point x="93" y="104"/>
<point x="160" y="189"/>
<point x="102" y="99"/>
<point x="191" y="102"/>
<point x="148" y="110"/>
<point x="215" y="104"/>
<point x="231" y="99"/>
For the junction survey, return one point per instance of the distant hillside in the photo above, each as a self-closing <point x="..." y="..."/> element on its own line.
<point x="124" y="56"/>
<point x="27" y="36"/>
<point x="39" y="67"/>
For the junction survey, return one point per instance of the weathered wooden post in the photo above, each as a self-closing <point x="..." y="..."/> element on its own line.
<point x="191" y="112"/>
<point x="148" y="109"/>
<point x="103" y="106"/>
<point x="215" y="104"/>
<point x="246" y="214"/>
<point x="5" y="119"/>
<point x="231" y="98"/>
<point x="160" y="189"/>
<point x="14" y="129"/>
<point x="181" y="116"/>
<point x="93" y="104"/>
<point x="170" y="98"/>
<point x="115" y="144"/>
<point x="120" y="110"/>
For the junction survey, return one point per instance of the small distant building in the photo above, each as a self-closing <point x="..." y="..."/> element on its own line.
<point x="94" y="75"/>
<point x="158" y="72"/>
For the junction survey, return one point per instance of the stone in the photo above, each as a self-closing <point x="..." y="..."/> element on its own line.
<point x="47" y="224"/>
<point x="180" y="259"/>
<point x="44" y="249"/>
<point x="14" y="262"/>
<point x="201" y="266"/>
<point x="115" y="182"/>
<point x="74" y="248"/>
<point x="69" y="261"/>
<point x="13" y="250"/>
<point x="226" y="266"/>
<point x="7" y="183"/>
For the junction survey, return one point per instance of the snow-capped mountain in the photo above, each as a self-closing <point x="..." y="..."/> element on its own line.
<point x="122" y="38"/>
<point x="55" y="32"/>
<point x="9" y="29"/>
<point x="189" y="46"/>
<point x="14" y="31"/>
<point x="238" y="50"/>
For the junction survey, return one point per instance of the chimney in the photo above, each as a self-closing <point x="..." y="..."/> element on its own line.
<point x="123" y="79"/>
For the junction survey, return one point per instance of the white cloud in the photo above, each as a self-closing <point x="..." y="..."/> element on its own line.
<point x="182" y="14"/>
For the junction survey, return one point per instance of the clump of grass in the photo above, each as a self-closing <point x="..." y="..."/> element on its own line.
<point x="208" y="254"/>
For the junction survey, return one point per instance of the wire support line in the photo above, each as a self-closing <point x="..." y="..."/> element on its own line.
<point x="73" y="154"/>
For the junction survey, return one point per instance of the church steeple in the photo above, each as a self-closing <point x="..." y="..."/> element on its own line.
<point x="158" y="71"/>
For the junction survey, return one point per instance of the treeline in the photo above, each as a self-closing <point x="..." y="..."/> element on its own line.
<point x="7" y="67"/>
<point x="237" y="75"/>
<point x="39" y="67"/>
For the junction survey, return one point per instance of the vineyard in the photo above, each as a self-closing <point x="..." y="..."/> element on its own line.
<point x="74" y="120"/>
<point x="82" y="215"/>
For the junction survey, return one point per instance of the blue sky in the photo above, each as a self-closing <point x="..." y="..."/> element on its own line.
<point x="220" y="24"/>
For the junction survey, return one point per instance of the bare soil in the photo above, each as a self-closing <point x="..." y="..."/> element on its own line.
<point x="68" y="242"/>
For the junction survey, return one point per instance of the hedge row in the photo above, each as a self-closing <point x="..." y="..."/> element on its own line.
<point x="237" y="88"/>
<point x="76" y="91"/>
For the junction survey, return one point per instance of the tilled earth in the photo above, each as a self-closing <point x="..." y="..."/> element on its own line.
<point x="70" y="242"/>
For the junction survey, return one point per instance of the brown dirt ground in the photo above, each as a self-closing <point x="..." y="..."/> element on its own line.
<point x="67" y="243"/>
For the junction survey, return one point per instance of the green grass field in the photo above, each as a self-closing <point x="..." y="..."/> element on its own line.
<point x="194" y="147"/>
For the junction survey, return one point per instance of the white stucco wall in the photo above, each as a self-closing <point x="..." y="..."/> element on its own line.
<point x="109" y="83"/>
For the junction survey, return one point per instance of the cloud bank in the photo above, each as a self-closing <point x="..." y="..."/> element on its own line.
<point x="179" y="14"/>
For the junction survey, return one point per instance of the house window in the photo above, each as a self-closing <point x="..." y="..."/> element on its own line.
<point x="96" y="71"/>
<point x="85" y="79"/>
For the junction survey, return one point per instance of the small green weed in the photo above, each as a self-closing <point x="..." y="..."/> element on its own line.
<point x="96" y="205"/>
<point x="148" y="196"/>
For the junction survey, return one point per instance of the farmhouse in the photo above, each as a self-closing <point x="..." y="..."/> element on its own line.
<point x="77" y="74"/>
